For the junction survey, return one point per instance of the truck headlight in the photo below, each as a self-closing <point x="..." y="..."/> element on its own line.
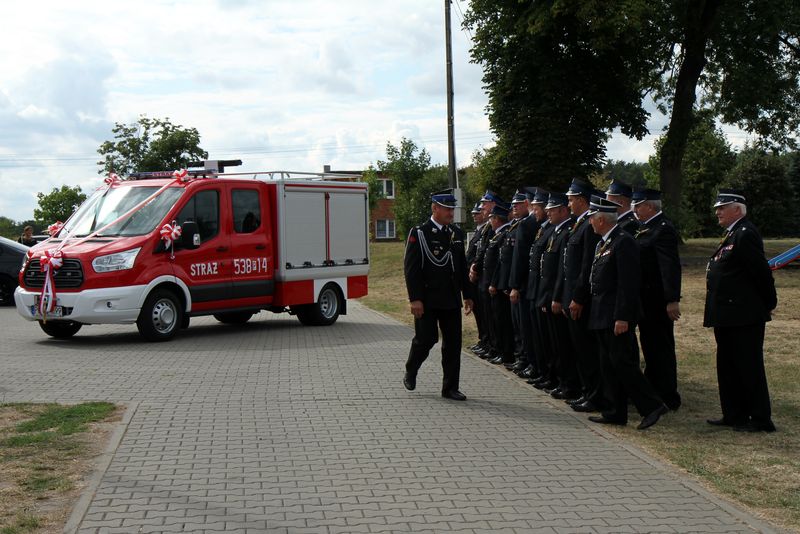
<point x="115" y="262"/>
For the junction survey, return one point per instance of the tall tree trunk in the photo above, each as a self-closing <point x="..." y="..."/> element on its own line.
<point x="700" y="18"/>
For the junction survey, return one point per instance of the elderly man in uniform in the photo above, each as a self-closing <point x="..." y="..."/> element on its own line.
<point x="740" y="296"/>
<point x="660" y="294"/>
<point x="491" y="275"/>
<point x="614" y="286"/>
<point x="484" y="307"/>
<point x="620" y="193"/>
<point x="436" y="278"/>
<point x="513" y="266"/>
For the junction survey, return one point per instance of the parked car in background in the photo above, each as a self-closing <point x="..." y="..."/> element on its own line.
<point x="11" y="255"/>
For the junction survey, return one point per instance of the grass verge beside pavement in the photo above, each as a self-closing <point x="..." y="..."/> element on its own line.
<point x="46" y="450"/>
<point x="759" y="471"/>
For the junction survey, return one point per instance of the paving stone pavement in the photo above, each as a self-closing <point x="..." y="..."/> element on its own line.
<point x="280" y="428"/>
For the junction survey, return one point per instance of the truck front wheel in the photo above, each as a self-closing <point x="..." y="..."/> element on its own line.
<point x="60" y="329"/>
<point x="161" y="316"/>
<point x="325" y="311"/>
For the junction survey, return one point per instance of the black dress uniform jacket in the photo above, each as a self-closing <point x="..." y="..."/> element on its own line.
<point x="551" y="275"/>
<point x="435" y="266"/>
<point x="739" y="283"/>
<point x="615" y="280"/>
<point x="474" y="243"/>
<point x="661" y="265"/>
<point x="506" y="256"/>
<point x="535" y="254"/>
<point x="628" y="222"/>
<point x="526" y="234"/>
<point x="578" y="262"/>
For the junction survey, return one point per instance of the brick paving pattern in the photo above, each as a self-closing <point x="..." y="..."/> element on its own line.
<point x="275" y="427"/>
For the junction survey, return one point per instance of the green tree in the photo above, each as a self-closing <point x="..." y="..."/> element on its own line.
<point x="709" y="157"/>
<point x="554" y="68"/>
<point x="370" y="176"/>
<point x="150" y="145"/>
<point x="406" y="164"/>
<point x="763" y="177"/>
<point x="9" y="228"/>
<point x="57" y="205"/>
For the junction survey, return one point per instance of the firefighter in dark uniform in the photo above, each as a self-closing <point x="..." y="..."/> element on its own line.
<point x="485" y="346"/>
<point x="621" y="193"/>
<point x="558" y="361"/>
<point x="524" y="279"/>
<point x="614" y="285"/>
<point x="576" y="299"/>
<point x="471" y="254"/>
<point x="436" y="278"/>
<point x="660" y="294"/>
<point x="519" y="212"/>
<point x="740" y="297"/>
<point x="490" y="279"/>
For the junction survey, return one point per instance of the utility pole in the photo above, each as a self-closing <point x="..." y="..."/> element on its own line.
<point x="451" y="142"/>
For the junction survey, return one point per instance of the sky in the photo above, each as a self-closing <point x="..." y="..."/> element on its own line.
<point x="281" y="84"/>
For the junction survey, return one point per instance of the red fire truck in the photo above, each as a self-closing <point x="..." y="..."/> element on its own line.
<point x="245" y="243"/>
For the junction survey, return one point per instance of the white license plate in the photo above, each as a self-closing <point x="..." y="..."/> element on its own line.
<point x="58" y="311"/>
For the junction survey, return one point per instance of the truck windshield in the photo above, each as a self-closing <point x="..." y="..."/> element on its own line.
<point x="106" y="206"/>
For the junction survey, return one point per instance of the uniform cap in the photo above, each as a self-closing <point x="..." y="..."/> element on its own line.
<point x="729" y="196"/>
<point x="580" y="188"/>
<point x="555" y="200"/>
<point x="476" y="208"/>
<point x="444" y="198"/>
<point x="641" y="194"/>
<point x="501" y="209"/>
<point x="602" y="205"/>
<point x="519" y="196"/>
<point x="617" y="187"/>
<point x="490" y="196"/>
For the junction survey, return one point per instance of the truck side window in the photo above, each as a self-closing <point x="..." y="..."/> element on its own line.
<point x="246" y="210"/>
<point x="203" y="208"/>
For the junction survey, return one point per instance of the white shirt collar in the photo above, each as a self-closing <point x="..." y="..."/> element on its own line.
<point x="605" y="237"/>
<point x="624" y="214"/>
<point x="436" y="224"/>
<point x="651" y="218"/>
<point x="734" y="223"/>
<point x="561" y="224"/>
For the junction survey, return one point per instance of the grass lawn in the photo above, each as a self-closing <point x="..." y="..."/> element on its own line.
<point x="46" y="450"/>
<point x="760" y="471"/>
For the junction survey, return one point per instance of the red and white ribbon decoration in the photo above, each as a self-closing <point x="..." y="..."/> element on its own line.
<point x="181" y="175"/>
<point x="170" y="234"/>
<point x="50" y="262"/>
<point x="55" y="228"/>
<point x="112" y="179"/>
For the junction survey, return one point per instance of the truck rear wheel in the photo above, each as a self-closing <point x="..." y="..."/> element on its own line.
<point x="161" y="316"/>
<point x="325" y="311"/>
<point x="60" y="329"/>
<point x="233" y="317"/>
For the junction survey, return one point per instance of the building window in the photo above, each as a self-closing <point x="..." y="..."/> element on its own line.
<point x="387" y="188"/>
<point x="384" y="229"/>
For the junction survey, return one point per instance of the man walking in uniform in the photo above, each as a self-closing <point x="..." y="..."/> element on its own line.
<point x="740" y="296"/>
<point x="436" y="278"/>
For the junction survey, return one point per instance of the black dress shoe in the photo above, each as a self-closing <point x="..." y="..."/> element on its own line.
<point x="653" y="417"/>
<point x="520" y="365"/>
<point x="547" y="387"/>
<point x="603" y="420"/>
<point x="564" y="394"/>
<point x="724" y="422"/>
<point x="752" y="426"/>
<point x="410" y="382"/>
<point x="454" y="394"/>
<point x="579" y="400"/>
<point x="584" y="407"/>
<point x="528" y="372"/>
<point x="497" y="360"/>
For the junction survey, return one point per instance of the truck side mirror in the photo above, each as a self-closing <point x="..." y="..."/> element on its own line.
<point x="190" y="235"/>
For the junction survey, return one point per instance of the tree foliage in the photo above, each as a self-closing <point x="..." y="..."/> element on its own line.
<point x="58" y="205"/>
<point x="150" y="145"/>
<point x="561" y="74"/>
<point x="407" y="165"/>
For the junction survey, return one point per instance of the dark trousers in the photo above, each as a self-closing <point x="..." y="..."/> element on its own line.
<point x="526" y="329"/>
<point x="503" y="330"/>
<point x="587" y="358"/>
<point x="516" y="324"/>
<point x="489" y="341"/>
<point x="622" y="376"/>
<point x="478" y="313"/>
<point x="564" y="355"/>
<point x="426" y="334"/>
<point x="743" y="391"/>
<point x="543" y="351"/>
<point x="657" y="338"/>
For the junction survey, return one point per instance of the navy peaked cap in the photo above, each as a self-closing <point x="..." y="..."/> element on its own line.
<point x="640" y="194"/>
<point x="444" y="198"/>
<point x="555" y="200"/>
<point x="617" y="187"/>
<point x="602" y="205"/>
<point x="729" y="196"/>
<point x="580" y="188"/>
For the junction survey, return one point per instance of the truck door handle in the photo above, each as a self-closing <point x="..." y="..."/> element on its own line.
<point x="222" y="249"/>
<point x="261" y="247"/>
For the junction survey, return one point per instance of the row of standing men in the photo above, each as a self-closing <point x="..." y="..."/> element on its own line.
<point x="558" y="301"/>
<point x="559" y="284"/>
